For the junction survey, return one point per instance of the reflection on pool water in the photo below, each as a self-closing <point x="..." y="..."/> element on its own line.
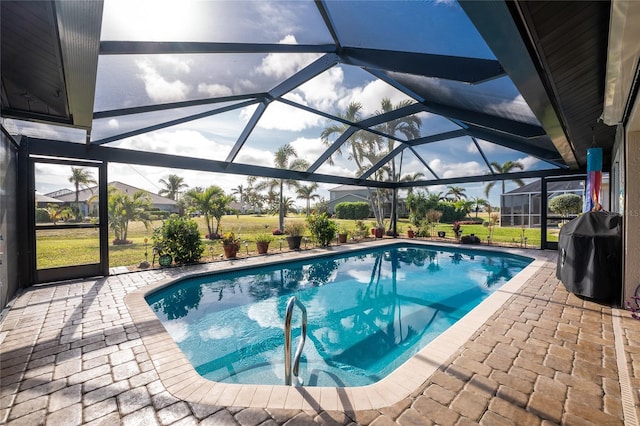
<point x="368" y="312"/>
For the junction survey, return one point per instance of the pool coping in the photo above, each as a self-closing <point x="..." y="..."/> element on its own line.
<point x="182" y="381"/>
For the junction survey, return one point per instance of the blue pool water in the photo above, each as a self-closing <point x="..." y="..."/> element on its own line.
<point x="368" y="312"/>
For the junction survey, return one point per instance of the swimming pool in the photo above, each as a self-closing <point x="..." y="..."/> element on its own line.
<point x="369" y="311"/>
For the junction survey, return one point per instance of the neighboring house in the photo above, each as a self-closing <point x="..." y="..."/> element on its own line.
<point x="521" y="207"/>
<point x="69" y="197"/>
<point x="346" y="194"/>
<point x="43" y="201"/>
<point x="243" y="207"/>
<point x="353" y="194"/>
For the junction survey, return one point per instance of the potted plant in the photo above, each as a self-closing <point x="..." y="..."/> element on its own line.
<point x="379" y="232"/>
<point x="262" y="242"/>
<point x="294" y="231"/>
<point x="343" y="233"/>
<point x="230" y="244"/>
<point x="159" y="249"/>
<point x="410" y="233"/>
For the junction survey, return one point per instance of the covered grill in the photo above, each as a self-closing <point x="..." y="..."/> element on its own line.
<point x="590" y="256"/>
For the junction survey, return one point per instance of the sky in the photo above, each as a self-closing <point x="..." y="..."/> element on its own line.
<point x="439" y="27"/>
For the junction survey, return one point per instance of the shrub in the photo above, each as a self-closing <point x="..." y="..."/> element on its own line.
<point x="179" y="237"/>
<point x="322" y="228"/>
<point x="352" y="210"/>
<point x="566" y="204"/>
<point x="449" y="212"/>
<point x="42" y="215"/>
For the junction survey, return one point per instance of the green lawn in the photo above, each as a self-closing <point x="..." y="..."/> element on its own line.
<point x="69" y="247"/>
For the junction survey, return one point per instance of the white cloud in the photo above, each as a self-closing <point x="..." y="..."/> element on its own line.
<point x="179" y="142"/>
<point x="176" y="63"/>
<point x="258" y="157"/>
<point x="281" y="65"/>
<point x="370" y="95"/>
<point x="157" y="87"/>
<point x="113" y="123"/>
<point x="528" y="162"/>
<point x="308" y="149"/>
<point x="325" y="90"/>
<point x="485" y="146"/>
<point x="283" y="117"/>
<point x="214" y="90"/>
<point x="469" y="168"/>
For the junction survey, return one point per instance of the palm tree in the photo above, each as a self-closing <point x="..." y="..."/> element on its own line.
<point x="503" y="168"/>
<point x="123" y="208"/>
<point x="286" y="157"/>
<point x="411" y="177"/>
<point x="80" y="178"/>
<point x="173" y="184"/>
<point x="240" y="191"/>
<point x="305" y="192"/>
<point x="408" y="126"/>
<point x="357" y="143"/>
<point x="457" y="193"/>
<point x="288" y="205"/>
<point x="464" y="206"/>
<point x="479" y="202"/>
<point x="213" y="203"/>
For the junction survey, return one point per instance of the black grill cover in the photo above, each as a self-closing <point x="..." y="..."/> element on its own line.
<point x="589" y="255"/>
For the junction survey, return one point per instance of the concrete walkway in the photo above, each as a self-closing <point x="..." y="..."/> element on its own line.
<point x="71" y="354"/>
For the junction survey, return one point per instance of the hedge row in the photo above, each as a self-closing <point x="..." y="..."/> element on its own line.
<point x="352" y="210"/>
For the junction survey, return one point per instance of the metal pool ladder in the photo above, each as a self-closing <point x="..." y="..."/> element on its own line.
<point x="287" y="339"/>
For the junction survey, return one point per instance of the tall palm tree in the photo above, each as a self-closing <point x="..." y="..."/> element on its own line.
<point x="503" y="168"/>
<point x="408" y="126"/>
<point x="305" y="192"/>
<point x="457" y="193"/>
<point x="80" y="178"/>
<point x="357" y="144"/>
<point x="286" y="157"/>
<point x="173" y="184"/>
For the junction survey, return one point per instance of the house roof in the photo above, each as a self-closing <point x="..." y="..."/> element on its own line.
<point x="342" y="197"/>
<point x="86" y="193"/>
<point x="348" y="188"/>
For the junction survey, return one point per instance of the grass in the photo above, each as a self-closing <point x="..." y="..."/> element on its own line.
<point x="56" y="248"/>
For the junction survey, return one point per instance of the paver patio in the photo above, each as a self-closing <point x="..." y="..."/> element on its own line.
<point x="71" y="354"/>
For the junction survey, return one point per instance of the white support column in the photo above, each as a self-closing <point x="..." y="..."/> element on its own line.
<point x="631" y="214"/>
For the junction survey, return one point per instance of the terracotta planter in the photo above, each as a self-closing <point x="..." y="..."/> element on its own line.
<point x="379" y="232"/>
<point x="262" y="247"/>
<point x="294" y="242"/>
<point x="342" y="238"/>
<point x="231" y="251"/>
<point x="411" y="233"/>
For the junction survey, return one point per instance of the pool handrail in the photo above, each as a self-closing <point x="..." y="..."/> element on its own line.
<point x="293" y="301"/>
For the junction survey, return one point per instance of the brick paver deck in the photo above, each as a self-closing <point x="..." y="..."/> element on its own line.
<point x="71" y="354"/>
